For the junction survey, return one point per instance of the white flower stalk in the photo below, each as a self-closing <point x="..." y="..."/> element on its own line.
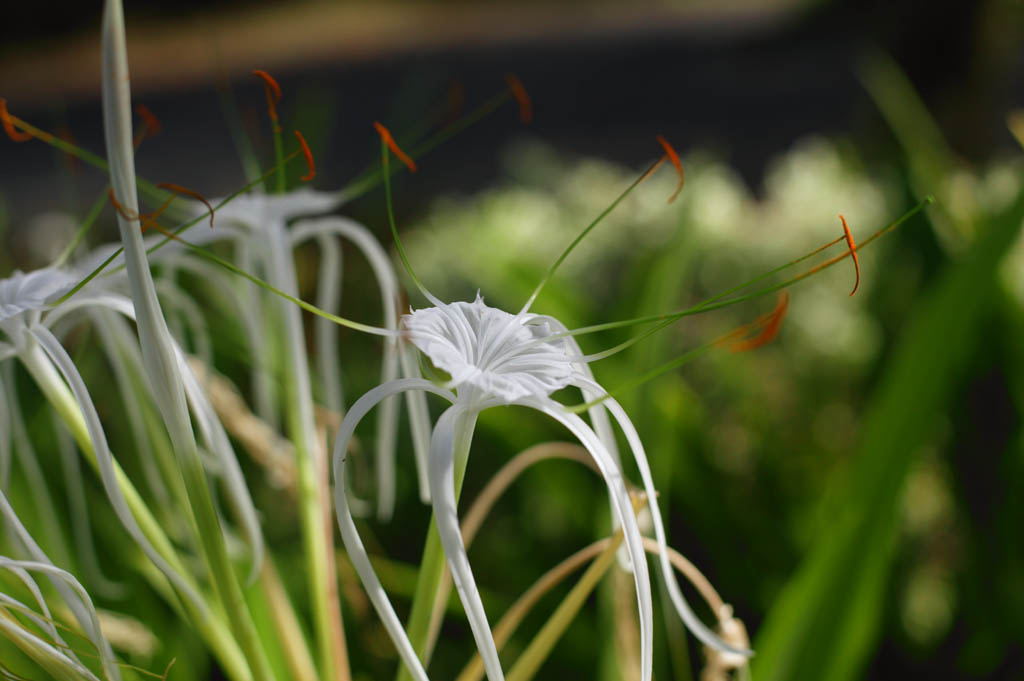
<point x="496" y="358"/>
<point x="163" y="364"/>
<point x="258" y="224"/>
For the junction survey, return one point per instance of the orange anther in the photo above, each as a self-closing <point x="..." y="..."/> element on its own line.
<point x="385" y="135"/>
<point x="151" y="124"/>
<point x="309" y="157"/>
<point x="146" y="220"/>
<point x="8" y="123"/>
<point x="178" y="189"/>
<point x="273" y="92"/>
<point x="853" y="252"/>
<point x="515" y="86"/>
<point x="674" y="157"/>
<point x="770" y="325"/>
<point x="118" y="207"/>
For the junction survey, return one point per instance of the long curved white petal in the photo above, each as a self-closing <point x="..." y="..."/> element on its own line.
<point x="442" y="490"/>
<point x="350" y="536"/>
<point x="329" y="276"/>
<point x="419" y="418"/>
<point x="237" y="491"/>
<point x="387" y="424"/>
<point x="105" y="459"/>
<point x="598" y="413"/>
<point x="634" y="541"/>
<point x="217" y="441"/>
<point x="70" y="590"/>
<point x="125" y="359"/>
<point x="47" y="655"/>
<point x="699" y="629"/>
<point x="28" y="460"/>
<point x="5" y="440"/>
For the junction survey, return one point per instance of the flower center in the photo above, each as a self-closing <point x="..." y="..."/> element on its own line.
<point x="501" y="355"/>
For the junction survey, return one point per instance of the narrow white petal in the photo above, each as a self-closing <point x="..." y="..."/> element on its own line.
<point x="350" y="535"/>
<point x="624" y="508"/>
<point x="699" y="629"/>
<point x="387" y="423"/>
<point x="237" y="491"/>
<point x="105" y="460"/>
<point x="5" y="440"/>
<point x="48" y="656"/>
<point x="442" y="490"/>
<point x="69" y="589"/>
<point x="419" y="419"/>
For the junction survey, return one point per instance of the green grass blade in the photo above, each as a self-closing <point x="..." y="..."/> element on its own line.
<point x="825" y="623"/>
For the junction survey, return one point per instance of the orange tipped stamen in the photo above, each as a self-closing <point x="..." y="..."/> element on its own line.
<point x="178" y="189"/>
<point x="309" y="157"/>
<point x="146" y="220"/>
<point x="853" y="252"/>
<point x="515" y="86"/>
<point x="769" y="325"/>
<point x="385" y="135"/>
<point x="118" y="207"/>
<point x="674" y="157"/>
<point x="8" y="123"/>
<point x="151" y="124"/>
<point x="273" y="92"/>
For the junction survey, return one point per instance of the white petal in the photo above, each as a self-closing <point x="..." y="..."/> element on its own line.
<point x="624" y="508"/>
<point x="350" y="535"/>
<point x="105" y="461"/>
<point x="489" y="350"/>
<point x="387" y="423"/>
<point x="442" y="490"/>
<point x="216" y="439"/>
<point x="22" y="292"/>
<point x="699" y="629"/>
<point x="71" y="591"/>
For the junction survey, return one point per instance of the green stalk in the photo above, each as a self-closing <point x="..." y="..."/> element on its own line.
<point x="542" y="644"/>
<point x="323" y="591"/>
<point x="212" y="629"/>
<point x="311" y="468"/>
<point x="433" y="564"/>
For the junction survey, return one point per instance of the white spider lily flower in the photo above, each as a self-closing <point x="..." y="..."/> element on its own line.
<point x="26" y="317"/>
<point x="23" y="300"/>
<point x="280" y="223"/>
<point x="497" y="358"/>
<point x="54" y="655"/>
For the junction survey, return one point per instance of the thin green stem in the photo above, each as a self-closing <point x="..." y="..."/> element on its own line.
<point x="384" y="155"/>
<point x="716" y="302"/>
<point x="586" y="230"/>
<point x="369" y="179"/>
<point x="540" y="647"/>
<point x="83" y="229"/>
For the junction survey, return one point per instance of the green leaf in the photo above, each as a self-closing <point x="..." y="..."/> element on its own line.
<point x="825" y="623"/>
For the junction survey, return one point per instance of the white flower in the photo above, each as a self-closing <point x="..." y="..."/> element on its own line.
<point x="500" y="355"/>
<point x="496" y="358"/>
<point x="24" y="297"/>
